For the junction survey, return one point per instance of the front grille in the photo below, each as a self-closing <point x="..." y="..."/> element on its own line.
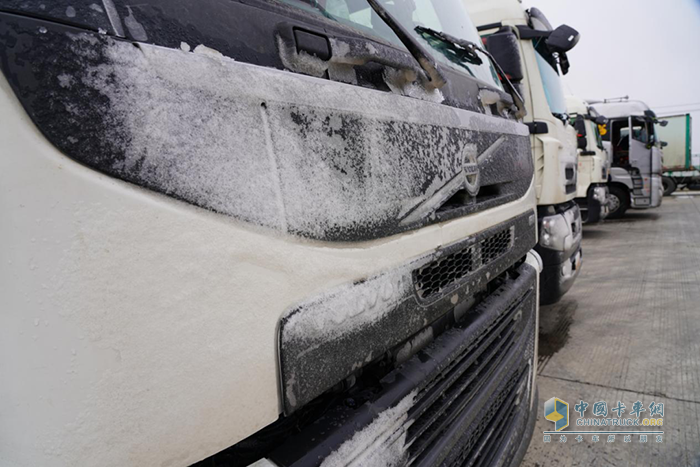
<point x="487" y="436"/>
<point x="451" y="402"/>
<point x="442" y="274"/>
<point x="468" y="393"/>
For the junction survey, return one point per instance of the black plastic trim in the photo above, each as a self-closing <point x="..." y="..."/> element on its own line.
<point x="309" y="366"/>
<point x="325" y="435"/>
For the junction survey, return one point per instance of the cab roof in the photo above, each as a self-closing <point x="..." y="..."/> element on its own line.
<point x="496" y="11"/>
<point x="576" y="105"/>
<point x="620" y="109"/>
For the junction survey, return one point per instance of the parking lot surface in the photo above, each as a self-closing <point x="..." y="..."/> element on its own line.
<point x="629" y="330"/>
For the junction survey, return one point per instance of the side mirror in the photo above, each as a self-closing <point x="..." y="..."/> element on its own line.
<point x="506" y="51"/>
<point x="663" y="122"/>
<point x="664" y="144"/>
<point x="581" y="133"/>
<point x="600" y="120"/>
<point x="563" y="39"/>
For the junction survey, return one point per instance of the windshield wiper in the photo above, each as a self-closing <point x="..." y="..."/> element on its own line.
<point x="433" y="75"/>
<point x="469" y="50"/>
<point x="463" y="49"/>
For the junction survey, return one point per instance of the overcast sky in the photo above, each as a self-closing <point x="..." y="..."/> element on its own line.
<point x="647" y="49"/>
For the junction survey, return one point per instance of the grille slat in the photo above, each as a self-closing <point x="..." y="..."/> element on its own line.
<point x="441" y="275"/>
<point x="499" y="416"/>
<point x="451" y="404"/>
<point x="462" y="378"/>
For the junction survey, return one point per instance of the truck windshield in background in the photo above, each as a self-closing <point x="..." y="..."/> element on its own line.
<point x="552" y="83"/>
<point x="448" y="16"/>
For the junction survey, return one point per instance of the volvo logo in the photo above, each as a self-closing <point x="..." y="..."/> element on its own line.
<point x="470" y="169"/>
<point x="468" y="178"/>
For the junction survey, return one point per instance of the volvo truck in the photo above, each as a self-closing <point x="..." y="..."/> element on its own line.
<point x="593" y="161"/>
<point x="533" y="54"/>
<point x="679" y="171"/>
<point x="635" y="175"/>
<point x="278" y="233"/>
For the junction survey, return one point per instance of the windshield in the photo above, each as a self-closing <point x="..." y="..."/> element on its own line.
<point x="552" y="85"/>
<point x="448" y="16"/>
<point x="596" y="131"/>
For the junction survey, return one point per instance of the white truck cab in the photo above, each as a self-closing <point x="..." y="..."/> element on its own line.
<point x="631" y="140"/>
<point x="593" y="162"/>
<point x="533" y="54"/>
<point x="264" y="233"/>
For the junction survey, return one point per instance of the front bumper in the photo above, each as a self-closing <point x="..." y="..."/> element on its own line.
<point x="466" y="397"/>
<point x="594" y="207"/>
<point x="562" y="262"/>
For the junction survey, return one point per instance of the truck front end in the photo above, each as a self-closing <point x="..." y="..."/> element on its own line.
<point x="536" y="63"/>
<point x="261" y="232"/>
<point x="635" y="150"/>
<point x="593" y="163"/>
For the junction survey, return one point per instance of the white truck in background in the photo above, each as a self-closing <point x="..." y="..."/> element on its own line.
<point x="533" y="54"/>
<point x="247" y="232"/>
<point x="635" y="150"/>
<point x="680" y="171"/>
<point x="593" y="161"/>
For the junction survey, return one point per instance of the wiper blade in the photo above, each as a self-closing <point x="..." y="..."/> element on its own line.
<point x="466" y="50"/>
<point x="469" y="49"/>
<point x="433" y="75"/>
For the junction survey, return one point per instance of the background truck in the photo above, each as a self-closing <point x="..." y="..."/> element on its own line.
<point x="593" y="161"/>
<point x="262" y="232"/>
<point x="533" y="54"/>
<point x="679" y="169"/>
<point x="635" y="175"/>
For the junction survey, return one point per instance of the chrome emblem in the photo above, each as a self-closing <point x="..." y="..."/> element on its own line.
<point x="470" y="170"/>
<point x="468" y="178"/>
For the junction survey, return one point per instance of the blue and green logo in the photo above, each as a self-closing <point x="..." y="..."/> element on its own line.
<point x="557" y="411"/>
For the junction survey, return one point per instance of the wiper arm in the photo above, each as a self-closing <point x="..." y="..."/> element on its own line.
<point x="433" y="75"/>
<point x="469" y="48"/>
<point x="466" y="48"/>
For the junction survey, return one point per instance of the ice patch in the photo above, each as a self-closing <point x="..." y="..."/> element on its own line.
<point x="97" y="8"/>
<point x="70" y="12"/>
<point x="135" y="28"/>
<point x="381" y="443"/>
<point x="204" y="50"/>
<point x="348" y="308"/>
<point x="65" y="80"/>
<point x="185" y="47"/>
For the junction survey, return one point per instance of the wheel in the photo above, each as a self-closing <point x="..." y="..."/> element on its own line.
<point x="619" y="202"/>
<point x="670" y="185"/>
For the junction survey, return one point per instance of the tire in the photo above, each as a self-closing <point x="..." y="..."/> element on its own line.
<point x="619" y="202"/>
<point x="670" y="185"/>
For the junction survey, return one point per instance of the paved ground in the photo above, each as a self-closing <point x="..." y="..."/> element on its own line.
<point x="628" y="330"/>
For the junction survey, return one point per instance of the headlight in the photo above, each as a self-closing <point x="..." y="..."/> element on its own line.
<point x="554" y="231"/>
<point x="600" y="194"/>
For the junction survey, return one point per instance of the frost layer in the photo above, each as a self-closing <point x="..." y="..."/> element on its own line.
<point x="381" y="443"/>
<point x="348" y="308"/>
<point x="289" y="152"/>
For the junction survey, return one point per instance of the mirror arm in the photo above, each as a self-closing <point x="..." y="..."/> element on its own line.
<point x="519" y="101"/>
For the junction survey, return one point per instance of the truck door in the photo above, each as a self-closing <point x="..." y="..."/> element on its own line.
<point x="640" y="156"/>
